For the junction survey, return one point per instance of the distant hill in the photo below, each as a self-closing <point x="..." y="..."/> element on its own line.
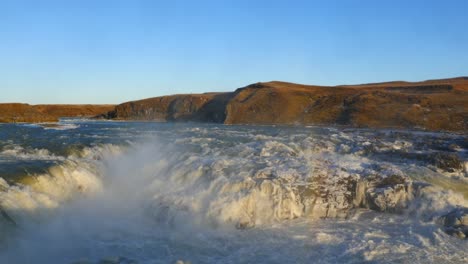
<point x="433" y="105"/>
<point x="16" y="112"/>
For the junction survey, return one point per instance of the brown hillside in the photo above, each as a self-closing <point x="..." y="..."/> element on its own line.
<point x="434" y="105"/>
<point x="67" y="110"/>
<point x="16" y="112"/>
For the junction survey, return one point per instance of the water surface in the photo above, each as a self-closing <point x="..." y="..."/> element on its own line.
<point x="162" y="192"/>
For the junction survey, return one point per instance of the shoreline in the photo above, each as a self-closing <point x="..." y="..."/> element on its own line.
<point x="434" y="105"/>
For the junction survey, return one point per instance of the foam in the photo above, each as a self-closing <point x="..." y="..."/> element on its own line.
<point x="16" y="152"/>
<point x="185" y="195"/>
<point x="60" y="126"/>
<point x="38" y="194"/>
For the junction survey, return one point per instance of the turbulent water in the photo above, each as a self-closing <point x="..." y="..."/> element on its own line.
<point x="126" y="192"/>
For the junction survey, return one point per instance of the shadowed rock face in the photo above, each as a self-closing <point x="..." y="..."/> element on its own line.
<point x="209" y="107"/>
<point x="15" y="112"/>
<point x="433" y="105"/>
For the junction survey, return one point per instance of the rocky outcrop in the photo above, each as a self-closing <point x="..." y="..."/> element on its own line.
<point x="449" y="162"/>
<point x="207" y="107"/>
<point x="455" y="223"/>
<point x="432" y="105"/>
<point x="16" y="112"/>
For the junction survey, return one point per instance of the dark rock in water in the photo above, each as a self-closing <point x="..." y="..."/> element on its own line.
<point x="391" y="181"/>
<point x="456" y="222"/>
<point x="449" y="162"/>
<point x="244" y="225"/>
<point x="392" y="193"/>
<point x="384" y="193"/>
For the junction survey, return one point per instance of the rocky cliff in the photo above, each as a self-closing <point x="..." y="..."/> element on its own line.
<point x="434" y="105"/>
<point x="208" y="107"/>
<point x="16" y="112"/>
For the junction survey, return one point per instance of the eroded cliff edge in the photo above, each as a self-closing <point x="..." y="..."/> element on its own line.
<point x="433" y="105"/>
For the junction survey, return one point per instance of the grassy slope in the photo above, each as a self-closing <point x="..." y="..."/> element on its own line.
<point x="15" y="112"/>
<point x="433" y="105"/>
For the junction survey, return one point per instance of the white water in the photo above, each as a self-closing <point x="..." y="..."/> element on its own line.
<point x="160" y="201"/>
<point x="19" y="153"/>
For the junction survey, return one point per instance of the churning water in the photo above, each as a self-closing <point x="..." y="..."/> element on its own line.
<point x="127" y="192"/>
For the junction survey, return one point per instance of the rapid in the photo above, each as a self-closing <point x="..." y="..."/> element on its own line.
<point x="84" y="191"/>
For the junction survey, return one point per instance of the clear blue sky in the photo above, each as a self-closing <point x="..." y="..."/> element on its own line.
<point x="96" y="51"/>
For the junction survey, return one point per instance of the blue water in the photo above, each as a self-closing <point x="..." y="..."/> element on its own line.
<point x="142" y="192"/>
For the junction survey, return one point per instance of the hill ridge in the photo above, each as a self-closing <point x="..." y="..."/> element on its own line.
<point x="432" y="104"/>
